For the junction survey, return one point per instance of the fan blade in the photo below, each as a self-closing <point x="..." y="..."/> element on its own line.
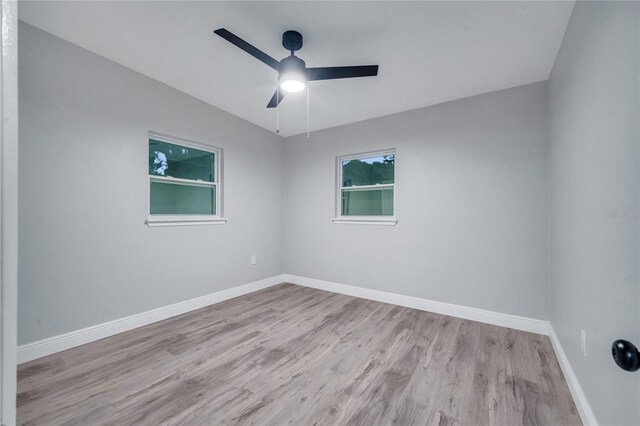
<point x="276" y="98"/>
<point x="331" y="73"/>
<point x="251" y="50"/>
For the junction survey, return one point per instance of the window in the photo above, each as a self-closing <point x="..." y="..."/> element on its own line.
<point x="184" y="182"/>
<point x="366" y="188"/>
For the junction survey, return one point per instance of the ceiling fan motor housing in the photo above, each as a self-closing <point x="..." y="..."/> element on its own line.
<point x="292" y="66"/>
<point x="292" y="40"/>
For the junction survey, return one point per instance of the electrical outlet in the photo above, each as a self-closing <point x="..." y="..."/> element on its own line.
<point x="583" y="342"/>
<point x="253" y="259"/>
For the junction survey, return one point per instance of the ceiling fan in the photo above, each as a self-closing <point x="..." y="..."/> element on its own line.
<point x="293" y="73"/>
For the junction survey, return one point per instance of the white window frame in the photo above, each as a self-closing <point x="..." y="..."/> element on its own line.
<point x="187" y="219"/>
<point x="364" y="220"/>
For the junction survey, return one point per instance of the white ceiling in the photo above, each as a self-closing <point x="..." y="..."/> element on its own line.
<point x="428" y="52"/>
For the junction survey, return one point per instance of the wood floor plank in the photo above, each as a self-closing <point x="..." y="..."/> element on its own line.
<point x="300" y="356"/>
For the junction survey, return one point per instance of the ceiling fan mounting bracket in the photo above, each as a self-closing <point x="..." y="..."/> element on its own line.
<point x="292" y="40"/>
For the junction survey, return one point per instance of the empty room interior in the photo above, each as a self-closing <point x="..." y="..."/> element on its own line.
<point x="320" y="213"/>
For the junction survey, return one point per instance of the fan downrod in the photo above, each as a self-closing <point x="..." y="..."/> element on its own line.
<point x="292" y="40"/>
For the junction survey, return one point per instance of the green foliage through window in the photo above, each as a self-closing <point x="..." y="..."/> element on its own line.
<point x="368" y="171"/>
<point x="367" y="186"/>
<point x="167" y="159"/>
<point x="182" y="179"/>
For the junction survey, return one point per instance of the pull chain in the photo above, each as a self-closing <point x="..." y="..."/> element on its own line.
<point x="278" y="110"/>
<point x="308" y="111"/>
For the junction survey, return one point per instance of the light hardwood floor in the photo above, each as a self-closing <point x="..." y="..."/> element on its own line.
<point x="300" y="356"/>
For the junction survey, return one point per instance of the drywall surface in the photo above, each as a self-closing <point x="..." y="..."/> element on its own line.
<point x="8" y="210"/>
<point x="86" y="256"/>
<point x="471" y="201"/>
<point x="594" y="176"/>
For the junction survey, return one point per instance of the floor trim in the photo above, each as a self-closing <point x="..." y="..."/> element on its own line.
<point x="474" y="314"/>
<point x="41" y="348"/>
<point x="51" y="345"/>
<point x="579" y="398"/>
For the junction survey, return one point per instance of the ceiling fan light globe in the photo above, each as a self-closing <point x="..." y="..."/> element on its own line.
<point x="292" y="86"/>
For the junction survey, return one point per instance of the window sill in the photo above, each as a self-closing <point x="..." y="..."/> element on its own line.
<point x="184" y="220"/>
<point x="387" y="221"/>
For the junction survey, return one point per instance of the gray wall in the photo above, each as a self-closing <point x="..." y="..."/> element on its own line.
<point x="472" y="199"/>
<point x="472" y="204"/>
<point x="86" y="256"/>
<point x="594" y="177"/>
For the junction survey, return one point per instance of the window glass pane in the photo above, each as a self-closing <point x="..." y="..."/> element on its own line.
<point x="367" y="202"/>
<point x="368" y="171"/>
<point x="166" y="159"/>
<point x="171" y="198"/>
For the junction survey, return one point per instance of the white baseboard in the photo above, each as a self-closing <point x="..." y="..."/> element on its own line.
<point x="51" y="345"/>
<point x="579" y="398"/>
<point x="474" y="314"/>
<point x="41" y="348"/>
